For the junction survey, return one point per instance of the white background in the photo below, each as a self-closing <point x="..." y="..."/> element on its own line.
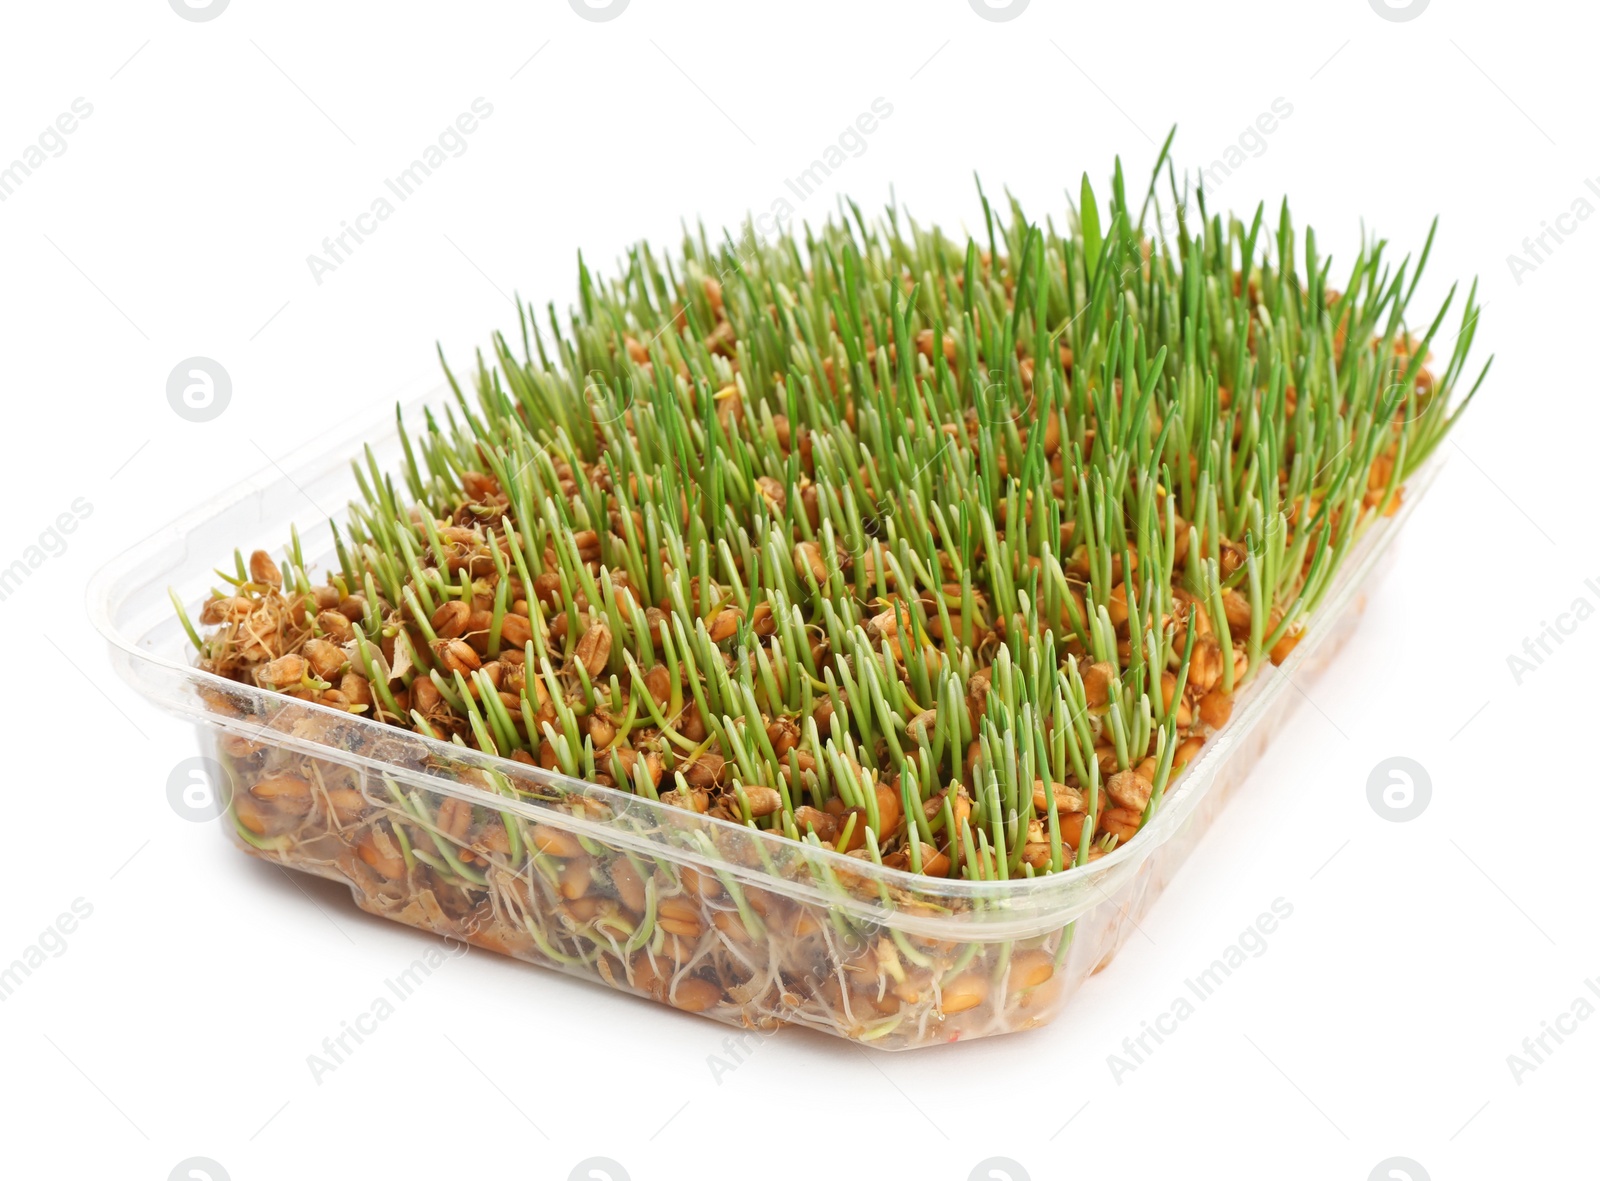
<point x="218" y="156"/>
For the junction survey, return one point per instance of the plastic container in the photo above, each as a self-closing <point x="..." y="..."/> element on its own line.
<point x="745" y="927"/>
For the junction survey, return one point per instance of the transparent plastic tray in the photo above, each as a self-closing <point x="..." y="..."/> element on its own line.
<point x="742" y="926"/>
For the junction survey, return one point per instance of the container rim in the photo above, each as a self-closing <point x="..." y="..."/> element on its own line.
<point x="318" y="457"/>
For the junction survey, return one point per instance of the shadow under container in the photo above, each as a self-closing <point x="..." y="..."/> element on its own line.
<point x="740" y="925"/>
